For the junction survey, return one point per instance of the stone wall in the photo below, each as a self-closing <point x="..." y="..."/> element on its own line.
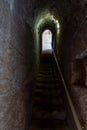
<point x="78" y="86"/>
<point x="16" y="65"/>
<point x="75" y="61"/>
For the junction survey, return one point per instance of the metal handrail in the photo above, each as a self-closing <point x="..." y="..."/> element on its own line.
<point x="75" y="117"/>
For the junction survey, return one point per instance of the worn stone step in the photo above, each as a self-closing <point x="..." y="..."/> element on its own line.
<point x="45" y="68"/>
<point x="41" y="114"/>
<point x="45" y="79"/>
<point x="49" y="68"/>
<point x="48" y="124"/>
<point x="52" y="101"/>
<point x="48" y="106"/>
<point x="46" y="76"/>
<point x="47" y="90"/>
<point x="46" y="94"/>
<point x="46" y="87"/>
<point x="46" y="82"/>
<point x="43" y="73"/>
<point x="46" y="72"/>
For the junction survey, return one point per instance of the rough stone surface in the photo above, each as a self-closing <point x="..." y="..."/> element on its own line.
<point x="16" y="65"/>
<point x="75" y="52"/>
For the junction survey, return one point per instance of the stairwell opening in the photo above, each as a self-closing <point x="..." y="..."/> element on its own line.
<point x="47" y="41"/>
<point x="46" y="20"/>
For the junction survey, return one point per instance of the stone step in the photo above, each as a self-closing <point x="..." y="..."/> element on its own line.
<point x="46" y="87"/>
<point x="49" y="68"/>
<point x="46" y="91"/>
<point x="44" y="65"/>
<point x="52" y="101"/>
<point x="41" y="114"/>
<point x="49" y="107"/>
<point x="45" y="75"/>
<point x="48" y="124"/>
<point x="46" y="94"/>
<point x="46" y="83"/>
<point x="45" y="79"/>
<point x="50" y="92"/>
<point x="46" y="72"/>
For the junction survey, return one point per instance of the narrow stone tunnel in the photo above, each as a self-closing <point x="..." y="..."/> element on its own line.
<point x="22" y="23"/>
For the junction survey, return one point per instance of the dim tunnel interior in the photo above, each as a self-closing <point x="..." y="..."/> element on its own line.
<point x="43" y="64"/>
<point x="49" y="102"/>
<point x="48" y="109"/>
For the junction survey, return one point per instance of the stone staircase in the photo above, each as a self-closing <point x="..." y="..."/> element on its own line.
<point x="48" y="107"/>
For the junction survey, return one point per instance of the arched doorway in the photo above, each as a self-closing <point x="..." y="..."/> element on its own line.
<point x="46" y="41"/>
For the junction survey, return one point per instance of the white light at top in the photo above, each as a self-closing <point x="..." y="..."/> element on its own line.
<point x="46" y="40"/>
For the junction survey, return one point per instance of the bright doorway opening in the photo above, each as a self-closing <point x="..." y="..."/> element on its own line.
<point x="47" y="40"/>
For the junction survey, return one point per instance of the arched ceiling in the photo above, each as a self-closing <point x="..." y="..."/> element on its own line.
<point x="63" y="9"/>
<point x="47" y="20"/>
